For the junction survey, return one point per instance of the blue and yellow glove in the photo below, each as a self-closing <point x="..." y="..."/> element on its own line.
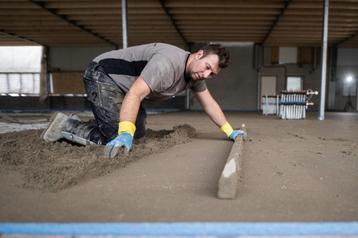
<point x="231" y="133"/>
<point x="124" y="139"/>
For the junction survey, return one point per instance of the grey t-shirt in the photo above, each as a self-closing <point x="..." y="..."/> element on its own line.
<point x="161" y="65"/>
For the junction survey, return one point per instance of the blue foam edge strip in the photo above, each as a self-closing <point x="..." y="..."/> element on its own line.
<point x="184" y="229"/>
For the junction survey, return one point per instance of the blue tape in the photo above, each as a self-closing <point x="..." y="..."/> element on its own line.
<point x="183" y="229"/>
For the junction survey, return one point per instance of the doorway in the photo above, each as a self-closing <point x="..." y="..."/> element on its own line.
<point x="268" y="87"/>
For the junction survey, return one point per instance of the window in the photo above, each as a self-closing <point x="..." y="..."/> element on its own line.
<point x="20" y="68"/>
<point x="19" y="83"/>
<point x="294" y="84"/>
<point x="287" y="55"/>
<point x="349" y="86"/>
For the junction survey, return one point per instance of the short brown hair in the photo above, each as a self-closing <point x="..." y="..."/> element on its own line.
<point x="220" y="51"/>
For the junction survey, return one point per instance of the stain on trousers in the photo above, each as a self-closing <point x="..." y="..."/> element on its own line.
<point x="106" y="99"/>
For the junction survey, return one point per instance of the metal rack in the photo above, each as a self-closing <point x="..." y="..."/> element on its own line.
<point x="289" y="104"/>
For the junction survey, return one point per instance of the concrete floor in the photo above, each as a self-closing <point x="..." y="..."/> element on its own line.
<point x="292" y="171"/>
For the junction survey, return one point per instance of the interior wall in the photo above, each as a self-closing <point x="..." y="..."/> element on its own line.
<point x="235" y="88"/>
<point x="309" y="74"/>
<point x="66" y="65"/>
<point x="347" y="64"/>
<point x="73" y="58"/>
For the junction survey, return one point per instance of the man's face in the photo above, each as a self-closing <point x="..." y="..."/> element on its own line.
<point x="203" y="67"/>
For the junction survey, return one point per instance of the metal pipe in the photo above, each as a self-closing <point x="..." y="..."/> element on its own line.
<point x="324" y="58"/>
<point x="124" y="24"/>
<point x="258" y="98"/>
<point x="7" y="83"/>
<point x="356" y="78"/>
<point x="44" y="79"/>
<point x="20" y="82"/>
<point x="187" y="99"/>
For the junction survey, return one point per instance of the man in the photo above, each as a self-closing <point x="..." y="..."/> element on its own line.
<point x="118" y="81"/>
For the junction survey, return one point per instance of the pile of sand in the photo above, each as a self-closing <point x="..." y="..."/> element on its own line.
<point x="55" y="166"/>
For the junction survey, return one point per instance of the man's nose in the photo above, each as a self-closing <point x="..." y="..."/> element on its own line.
<point x="207" y="73"/>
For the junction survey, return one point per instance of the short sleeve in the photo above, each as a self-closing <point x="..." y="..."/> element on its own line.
<point x="198" y="86"/>
<point x="158" y="73"/>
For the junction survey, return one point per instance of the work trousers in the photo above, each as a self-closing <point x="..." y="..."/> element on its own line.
<point x="106" y="97"/>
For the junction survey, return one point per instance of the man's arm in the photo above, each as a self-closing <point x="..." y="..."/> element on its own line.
<point x="131" y="102"/>
<point x="211" y="107"/>
<point x="128" y="115"/>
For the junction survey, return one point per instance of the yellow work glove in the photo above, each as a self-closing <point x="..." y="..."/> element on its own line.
<point x="126" y="126"/>
<point x="231" y="133"/>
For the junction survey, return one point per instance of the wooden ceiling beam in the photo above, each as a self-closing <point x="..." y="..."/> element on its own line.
<point x="225" y="23"/>
<point x="278" y="18"/>
<point x="209" y="20"/>
<point x="100" y="4"/>
<point x="318" y="5"/>
<point x="174" y="11"/>
<point x="108" y="11"/>
<point x="297" y="24"/>
<point x="74" y="23"/>
<point x="24" y="20"/>
<point x="317" y="26"/>
<point x="16" y="6"/>
<point x="224" y="4"/>
<point x="26" y="38"/>
<point x="178" y="16"/>
<point x="23" y="12"/>
<point x="346" y="39"/>
<point x="224" y="11"/>
<point x="223" y="34"/>
<point x="313" y="12"/>
<point x="172" y="20"/>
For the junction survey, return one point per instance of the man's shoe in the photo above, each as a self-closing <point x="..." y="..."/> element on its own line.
<point x="56" y="125"/>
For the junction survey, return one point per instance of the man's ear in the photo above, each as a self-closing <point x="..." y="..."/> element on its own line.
<point x="199" y="54"/>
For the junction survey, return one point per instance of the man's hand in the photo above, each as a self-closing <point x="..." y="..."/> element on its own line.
<point x="235" y="133"/>
<point x="124" y="139"/>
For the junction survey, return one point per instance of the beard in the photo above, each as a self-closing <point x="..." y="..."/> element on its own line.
<point x="195" y="76"/>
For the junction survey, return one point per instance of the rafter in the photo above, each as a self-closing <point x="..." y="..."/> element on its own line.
<point x="20" y="37"/>
<point x="73" y="23"/>
<point x="345" y="39"/>
<point x="166" y="10"/>
<point x="278" y="18"/>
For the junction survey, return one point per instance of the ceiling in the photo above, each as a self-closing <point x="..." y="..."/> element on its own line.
<point x="181" y="22"/>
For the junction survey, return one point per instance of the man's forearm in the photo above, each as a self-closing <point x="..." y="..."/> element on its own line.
<point x="130" y="107"/>
<point x="132" y="100"/>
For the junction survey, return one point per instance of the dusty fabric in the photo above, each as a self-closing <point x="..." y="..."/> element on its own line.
<point x="161" y="65"/>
